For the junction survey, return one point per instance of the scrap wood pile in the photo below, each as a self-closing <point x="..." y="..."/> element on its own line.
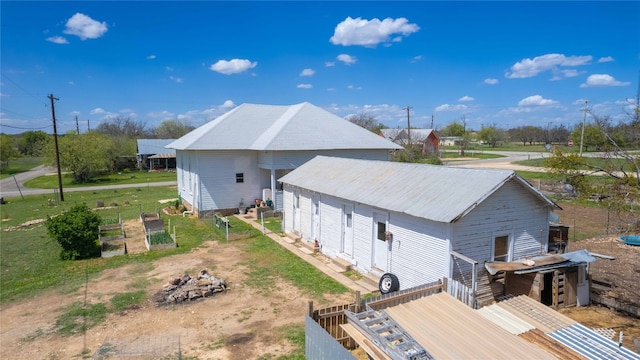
<point x="186" y="288"/>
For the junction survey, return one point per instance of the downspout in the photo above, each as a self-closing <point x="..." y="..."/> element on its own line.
<point x="273" y="188"/>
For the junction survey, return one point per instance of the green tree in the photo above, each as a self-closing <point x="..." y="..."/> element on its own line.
<point x="85" y="155"/>
<point x="77" y="232"/>
<point x="32" y="143"/>
<point x="8" y="150"/>
<point x="492" y="135"/>
<point x="454" y="129"/>
<point x="172" y="129"/>
<point x="594" y="137"/>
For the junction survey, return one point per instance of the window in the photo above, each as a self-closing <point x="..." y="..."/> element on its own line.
<point x="239" y="178"/>
<point x="382" y="229"/>
<point x="501" y="248"/>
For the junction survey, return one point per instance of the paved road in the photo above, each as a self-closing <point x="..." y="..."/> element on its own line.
<point x="13" y="186"/>
<point x="506" y="162"/>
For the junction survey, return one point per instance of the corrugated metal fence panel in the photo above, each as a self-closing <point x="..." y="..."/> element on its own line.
<point x="591" y="344"/>
<point x="319" y="345"/>
<point x="279" y="200"/>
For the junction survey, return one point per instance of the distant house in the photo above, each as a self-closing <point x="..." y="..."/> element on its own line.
<point x="451" y="141"/>
<point x="418" y="222"/>
<point x="153" y="155"/>
<point x="426" y="139"/>
<point x="237" y="158"/>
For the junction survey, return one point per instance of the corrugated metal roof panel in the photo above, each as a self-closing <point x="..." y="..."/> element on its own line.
<point x="591" y="344"/>
<point x="278" y="128"/>
<point x="505" y="319"/>
<point x="154" y="146"/>
<point x="536" y="314"/>
<point x="438" y="193"/>
<point x="448" y="329"/>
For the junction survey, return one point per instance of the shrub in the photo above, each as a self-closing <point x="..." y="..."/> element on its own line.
<point x="77" y="232"/>
<point x="99" y="203"/>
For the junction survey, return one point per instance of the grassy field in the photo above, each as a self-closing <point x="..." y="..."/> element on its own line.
<point x="18" y="166"/>
<point x="30" y="263"/>
<point x="132" y="177"/>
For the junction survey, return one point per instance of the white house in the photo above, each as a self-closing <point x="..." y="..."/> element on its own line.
<point x="417" y="222"/>
<point x="237" y="157"/>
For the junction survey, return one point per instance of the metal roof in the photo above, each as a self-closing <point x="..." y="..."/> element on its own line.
<point x="279" y="128"/>
<point x="154" y="146"/>
<point x="448" y="329"/>
<point x="591" y="344"/>
<point x="438" y="193"/>
<point x="505" y="319"/>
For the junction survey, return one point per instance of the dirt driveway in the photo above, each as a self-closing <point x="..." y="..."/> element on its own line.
<point x="238" y="324"/>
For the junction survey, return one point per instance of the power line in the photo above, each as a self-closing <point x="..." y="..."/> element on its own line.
<point x="23" y="128"/>
<point x="23" y="89"/>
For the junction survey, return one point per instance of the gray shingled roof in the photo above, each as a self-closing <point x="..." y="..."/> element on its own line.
<point x="437" y="193"/>
<point x="276" y="127"/>
<point x="154" y="146"/>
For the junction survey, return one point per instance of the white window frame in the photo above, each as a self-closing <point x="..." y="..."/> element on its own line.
<point x="509" y="253"/>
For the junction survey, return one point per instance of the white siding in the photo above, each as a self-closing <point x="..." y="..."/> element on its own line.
<point x="363" y="237"/>
<point x="330" y="225"/>
<point x="305" y="215"/>
<point x="511" y="210"/>
<point x="217" y="179"/>
<point x="287" y="213"/>
<point x="419" y="250"/>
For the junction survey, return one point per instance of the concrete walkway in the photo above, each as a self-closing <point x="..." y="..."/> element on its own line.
<point x="318" y="260"/>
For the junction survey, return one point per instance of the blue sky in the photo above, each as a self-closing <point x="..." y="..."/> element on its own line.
<point x="502" y="63"/>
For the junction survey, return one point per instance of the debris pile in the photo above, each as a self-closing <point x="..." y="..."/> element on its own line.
<point x="186" y="288"/>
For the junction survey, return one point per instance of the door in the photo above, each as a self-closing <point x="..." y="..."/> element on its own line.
<point x="296" y="213"/>
<point x="315" y="218"/>
<point x="380" y="245"/>
<point x="346" y="246"/>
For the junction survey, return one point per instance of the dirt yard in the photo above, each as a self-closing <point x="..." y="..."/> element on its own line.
<point x="237" y="324"/>
<point x="240" y="323"/>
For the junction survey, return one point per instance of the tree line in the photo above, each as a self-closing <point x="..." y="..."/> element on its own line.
<point x="111" y="146"/>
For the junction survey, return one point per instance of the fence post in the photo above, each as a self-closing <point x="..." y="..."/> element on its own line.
<point x="226" y="228"/>
<point x="262" y="221"/>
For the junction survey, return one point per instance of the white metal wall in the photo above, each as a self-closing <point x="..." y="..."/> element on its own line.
<point x="511" y="210"/>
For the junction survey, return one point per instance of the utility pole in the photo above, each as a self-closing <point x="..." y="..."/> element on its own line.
<point x="431" y="121"/>
<point x="408" y="108"/>
<point x="584" y="119"/>
<point x="88" y="127"/>
<point x="55" y="138"/>
<point x="77" y="127"/>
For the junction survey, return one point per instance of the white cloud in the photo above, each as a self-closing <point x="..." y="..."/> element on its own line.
<point x="532" y="67"/>
<point x="164" y="114"/>
<point x="85" y="27"/>
<point x="490" y="81"/>
<point x="605" y="59"/>
<point x="168" y="68"/>
<point x="370" y="33"/>
<point x="228" y="104"/>
<point x="57" y="40"/>
<point x="96" y="111"/>
<point x="330" y="63"/>
<point x="536" y="100"/>
<point x="466" y="99"/>
<point x="72" y="83"/>
<point x="416" y="58"/>
<point x="307" y="72"/>
<point x="598" y="80"/>
<point x="347" y="59"/>
<point x="304" y="86"/>
<point x="176" y="79"/>
<point x="448" y="107"/>
<point x="353" y="87"/>
<point x="233" y="66"/>
<point x="151" y="57"/>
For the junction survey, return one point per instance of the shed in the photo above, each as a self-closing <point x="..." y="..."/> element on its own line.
<point x="153" y="155"/>
<point x="417" y="222"/>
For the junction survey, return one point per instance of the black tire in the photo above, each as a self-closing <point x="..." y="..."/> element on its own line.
<point x="388" y="283"/>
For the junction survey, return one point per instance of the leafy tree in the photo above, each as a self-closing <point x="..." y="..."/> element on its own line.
<point x="84" y="155"/>
<point x="172" y="129"/>
<point x="32" y="143"/>
<point x="492" y="135"/>
<point x="77" y="232"/>
<point x="454" y="129"/>
<point x="8" y="151"/>
<point x="594" y="136"/>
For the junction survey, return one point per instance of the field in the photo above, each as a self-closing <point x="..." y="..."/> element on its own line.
<point x="58" y="310"/>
